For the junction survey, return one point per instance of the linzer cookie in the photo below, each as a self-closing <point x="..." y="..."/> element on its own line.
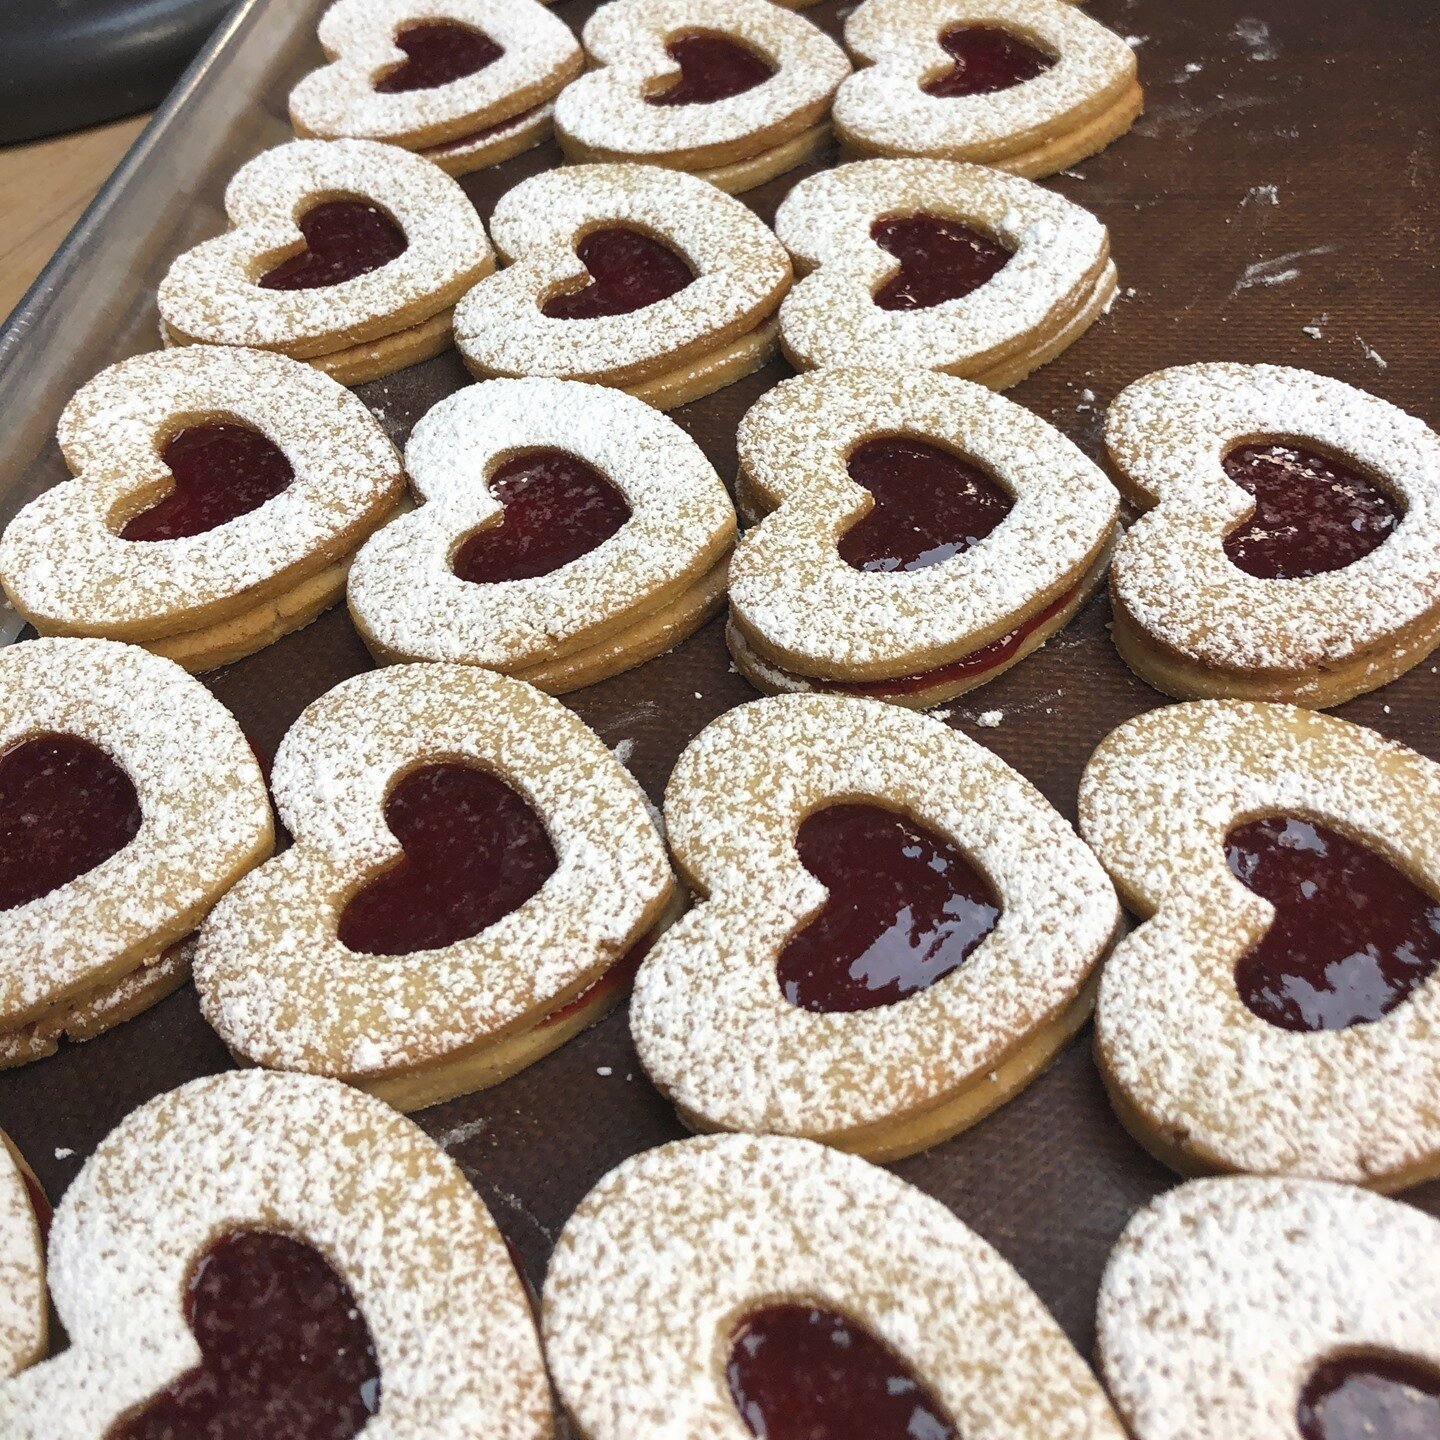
<point x="627" y="275"/>
<point x="346" y="253"/>
<point x="465" y="83"/>
<point x="568" y="532"/>
<point x="1028" y="86"/>
<point x="897" y="931"/>
<point x="280" y="1255"/>
<point x="921" y="535"/>
<point x="473" y="878"/>
<point x="24" y="1216"/>
<point x="928" y="264"/>
<point x="218" y="497"/>
<point x="735" y="91"/>
<point x="1279" y="1010"/>
<point x="1274" y="1309"/>
<point x="742" y="1285"/>
<point x="130" y="801"/>
<point x="1293" y="548"/>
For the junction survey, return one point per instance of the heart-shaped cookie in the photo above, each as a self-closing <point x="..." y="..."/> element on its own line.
<point x="1292" y="551"/>
<point x="395" y="752"/>
<point x="281" y="1245"/>
<point x="567" y="532"/>
<point x="1028" y="86"/>
<point x="741" y="1285"/>
<point x="935" y="265"/>
<point x="898" y="1029"/>
<point x="921" y="535"/>
<point x="1234" y="1030"/>
<point x="1274" y="1309"/>
<point x="212" y="488"/>
<point x="736" y="91"/>
<point x="24" y="1215"/>
<point x="657" y="335"/>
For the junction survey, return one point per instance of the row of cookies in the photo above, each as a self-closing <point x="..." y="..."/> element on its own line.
<point x="283" y="1245"/>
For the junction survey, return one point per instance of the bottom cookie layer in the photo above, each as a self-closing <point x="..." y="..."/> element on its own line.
<point x="495" y="143"/>
<point x="711" y="372"/>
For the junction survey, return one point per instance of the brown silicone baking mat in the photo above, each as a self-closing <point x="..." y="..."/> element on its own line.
<point x="1277" y="202"/>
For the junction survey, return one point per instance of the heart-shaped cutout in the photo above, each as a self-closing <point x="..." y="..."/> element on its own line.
<point x="905" y="908"/>
<point x="344" y="239"/>
<point x="1370" y="1397"/>
<point x="557" y="508"/>
<point x="1352" y="936"/>
<point x="287" y="1353"/>
<point x="439" y="52"/>
<point x="474" y="851"/>
<point x="1313" y="514"/>
<point x="797" y="1372"/>
<point x="222" y="471"/>
<point x="65" y="807"/>
<point x="988" y="58"/>
<point x="929" y="505"/>
<point x="712" y="67"/>
<point x="940" y="259"/>
<point x="629" y="269"/>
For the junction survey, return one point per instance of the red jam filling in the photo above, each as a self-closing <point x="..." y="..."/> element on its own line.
<point x="1370" y="1397"/>
<point x="474" y="851"/>
<point x="712" y="67"/>
<point x="628" y="271"/>
<point x="987" y="58"/>
<point x="65" y="807"/>
<point x="929" y="505"/>
<point x="940" y="260"/>
<point x="557" y="508"/>
<point x="39" y="1203"/>
<point x="222" y="471"/>
<point x="286" y="1353"/>
<point x="1352" y="936"/>
<point x="621" y="975"/>
<point x="798" y="1373"/>
<point x="1312" y="514"/>
<point x="439" y="51"/>
<point x="343" y="239"/>
<point x="905" y="908"/>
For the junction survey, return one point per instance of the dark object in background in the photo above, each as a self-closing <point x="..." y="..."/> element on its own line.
<point x="68" y="65"/>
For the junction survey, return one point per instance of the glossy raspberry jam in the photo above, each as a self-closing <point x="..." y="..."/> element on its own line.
<point x="343" y="240"/>
<point x="438" y="52"/>
<point x="65" y="807"/>
<point x="712" y="67"/>
<point x="1370" y="1397"/>
<point x="800" y="1373"/>
<point x="905" y="908"/>
<point x="287" y="1354"/>
<point x="222" y="471"/>
<point x="628" y="271"/>
<point x="929" y="505"/>
<point x="1352" y="936"/>
<point x="988" y="58"/>
<point x="474" y="851"/>
<point x="940" y="260"/>
<point x="557" y="508"/>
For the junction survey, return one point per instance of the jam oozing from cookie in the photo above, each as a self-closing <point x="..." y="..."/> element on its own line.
<point x="557" y="508"/>
<point x="1352" y="936"/>
<point x="988" y="58"/>
<point x="798" y="1373"/>
<point x="1370" y="1397"/>
<point x="222" y="471"/>
<point x="929" y="505"/>
<point x="712" y="67"/>
<point x="629" y="270"/>
<point x="1312" y="514"/>
<point x="474" y="851"/>
<point x="65" y="807"/>
<point x="344" y="239"/>
<point x="286" y="1353"/>
<point x="438" y="52"/>
<point x="940" y="259"/>
<point x="620" y="976"/>
<point x="905" y="907"/>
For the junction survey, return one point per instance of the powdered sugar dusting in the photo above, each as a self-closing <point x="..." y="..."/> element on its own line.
<point x="22" y="1270"/>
